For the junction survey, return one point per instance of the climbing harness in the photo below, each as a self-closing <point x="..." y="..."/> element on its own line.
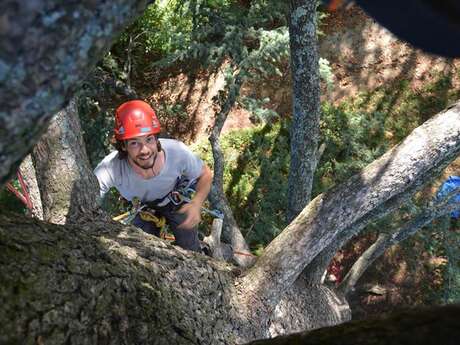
<point x="146" y="214"/>
<point x="182" y="195"/>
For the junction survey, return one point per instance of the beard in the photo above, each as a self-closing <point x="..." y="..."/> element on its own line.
<point x="145" y="162"/>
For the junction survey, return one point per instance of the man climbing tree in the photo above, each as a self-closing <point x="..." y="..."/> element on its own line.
<point x="153" y="170"/>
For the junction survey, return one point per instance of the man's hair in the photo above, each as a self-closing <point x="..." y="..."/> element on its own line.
<point x="119" y="145"/>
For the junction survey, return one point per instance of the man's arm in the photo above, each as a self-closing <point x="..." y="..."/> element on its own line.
<point x="193" y="208"/>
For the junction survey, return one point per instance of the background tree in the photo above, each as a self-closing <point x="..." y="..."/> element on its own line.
<point x="67" y="184"/>
<point x="27" y="170"/>
<point x="306" y="103"/>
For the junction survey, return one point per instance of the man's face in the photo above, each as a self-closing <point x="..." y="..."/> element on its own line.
<point x="142" y="151"/>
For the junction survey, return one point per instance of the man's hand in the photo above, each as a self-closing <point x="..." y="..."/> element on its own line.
<point x="193" y="208"/>
<point x="193" y="215"/>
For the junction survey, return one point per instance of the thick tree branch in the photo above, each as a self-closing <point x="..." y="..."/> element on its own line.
<point x="47" y="48"/>
<point x="394" y="176"/>
<point x="105" y="283"/>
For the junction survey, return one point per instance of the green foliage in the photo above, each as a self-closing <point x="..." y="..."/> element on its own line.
<point x="97" y="98"/>
<point x="353" y="140"/>
<point x="355" y="133"/>
<point x="97" y="127"/>
<point x="228" y="30"/>
<point x="164" y="27"/>
<point x="258" y="110"/>
<point x="325" y="72"/>
<point x="360" y="129"/>
<point x="255" y="178"/>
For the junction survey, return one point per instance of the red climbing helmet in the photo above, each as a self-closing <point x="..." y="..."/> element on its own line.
<point x="135" y="118"/>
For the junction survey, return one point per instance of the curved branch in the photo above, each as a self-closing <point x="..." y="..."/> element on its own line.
<point x="394" y="176"/>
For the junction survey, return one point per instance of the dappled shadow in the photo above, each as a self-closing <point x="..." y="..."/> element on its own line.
<point x="364" y="55"/>
<point x="184" y="100"/>
<point x="257" y="188"/>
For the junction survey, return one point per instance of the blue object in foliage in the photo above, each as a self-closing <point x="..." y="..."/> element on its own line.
<point x="451" y="183"/>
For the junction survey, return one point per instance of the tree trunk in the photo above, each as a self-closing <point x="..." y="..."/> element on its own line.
<point x="232" y="233"/>
<point x="30" y="178"/>
<point x="306" y="103"/>
<point x="67" y="185"/>
<point x="47" y="48"/>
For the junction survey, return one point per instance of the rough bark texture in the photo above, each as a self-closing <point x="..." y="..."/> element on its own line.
<point x="295" y="310"/>
<point x="306" y="103"/>
<point x="47" y="47"/>
<point x="434" y="326"/>
<point x="397" y="173"/>
<point x="67" y="185"/>
<point x="104" y="283"/>
<point x="28" y="173"/>
<point x="107" y="284"/>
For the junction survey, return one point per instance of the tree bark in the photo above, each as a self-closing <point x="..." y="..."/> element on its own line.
<point x="393" y="177"/>
<point x="47" y="48"/>
<point x="306" y="103"/>
<point x="105" y="283"/>
<point x="67" y="185"/>
<point x="30" y="178"/>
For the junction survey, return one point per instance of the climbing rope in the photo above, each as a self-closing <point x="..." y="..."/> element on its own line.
<point x="22" y="195"/>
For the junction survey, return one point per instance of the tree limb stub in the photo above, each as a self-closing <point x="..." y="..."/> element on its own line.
<point x="411" y="163"/>
<point x="47" y="48"/>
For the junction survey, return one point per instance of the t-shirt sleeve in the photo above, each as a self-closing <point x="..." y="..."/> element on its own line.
<point x="192" y="164"/>
<point x="104" y="178"/>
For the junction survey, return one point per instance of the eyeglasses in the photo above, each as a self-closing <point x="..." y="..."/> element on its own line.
<point x="136" y="143"/>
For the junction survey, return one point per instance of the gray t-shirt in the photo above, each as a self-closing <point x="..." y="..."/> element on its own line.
<point x="180" y="163"/>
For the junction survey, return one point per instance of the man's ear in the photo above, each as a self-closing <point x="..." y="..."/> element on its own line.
<point x="123" y="145"/>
